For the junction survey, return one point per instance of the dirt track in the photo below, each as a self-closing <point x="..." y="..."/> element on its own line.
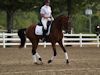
<point x="83" y="61"/>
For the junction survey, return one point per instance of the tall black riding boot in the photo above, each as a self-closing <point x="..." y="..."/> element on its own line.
<point x="44" y="35"/>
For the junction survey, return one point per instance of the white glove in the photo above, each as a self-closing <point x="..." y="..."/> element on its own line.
<point x="52" y="18"/>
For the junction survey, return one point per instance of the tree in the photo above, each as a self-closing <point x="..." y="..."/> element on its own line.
<point x="12" y="6"/>
<point x="69" y="7"/>
<point x="59" y="7"/>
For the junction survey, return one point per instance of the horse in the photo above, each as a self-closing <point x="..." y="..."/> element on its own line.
<point x="55" y="36"/>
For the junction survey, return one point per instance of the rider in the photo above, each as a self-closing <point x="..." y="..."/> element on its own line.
<point x="46" y="16"/>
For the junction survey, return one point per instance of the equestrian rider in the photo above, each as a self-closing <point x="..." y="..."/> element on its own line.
<point x="46" y="16"/>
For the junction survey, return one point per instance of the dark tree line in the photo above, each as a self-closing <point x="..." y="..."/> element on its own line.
<point x="67" y="7"/>
<point x="12" y="6"/>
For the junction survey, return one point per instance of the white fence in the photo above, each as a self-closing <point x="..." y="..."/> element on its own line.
<point x="68" y="39"/>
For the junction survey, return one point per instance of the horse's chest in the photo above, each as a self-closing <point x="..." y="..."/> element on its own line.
<point x="56" y="36"/>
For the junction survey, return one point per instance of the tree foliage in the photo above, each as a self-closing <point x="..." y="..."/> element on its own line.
<point x="24" y="19"/>
<point x="59" y="7"/>
<point x="14" y="5"/>
<point x="23" y="12"/>
<point x="11" y="6"/>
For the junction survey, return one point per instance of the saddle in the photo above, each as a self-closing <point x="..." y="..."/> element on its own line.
<point x="39" y="28"/>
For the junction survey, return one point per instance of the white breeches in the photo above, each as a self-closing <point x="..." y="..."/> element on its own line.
<point x="44" y="22"/>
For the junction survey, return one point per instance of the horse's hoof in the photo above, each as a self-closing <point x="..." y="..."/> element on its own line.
<point x="36" y="63"/>
<point x="49" y="61"/>
<point x="40" y="59"/>
<point x="41" y="63"/>
<point x="67" y="61"/>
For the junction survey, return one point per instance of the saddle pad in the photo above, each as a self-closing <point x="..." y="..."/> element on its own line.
<point x="39" y="30"/>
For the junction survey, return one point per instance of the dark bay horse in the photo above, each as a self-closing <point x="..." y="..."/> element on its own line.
<point x="54" y="37"/>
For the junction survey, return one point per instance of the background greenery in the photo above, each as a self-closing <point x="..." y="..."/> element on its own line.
<point x="21" y="19"/>
<point x="26" y="12"/>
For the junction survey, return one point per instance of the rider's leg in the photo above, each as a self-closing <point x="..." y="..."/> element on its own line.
<point x="48" y="24"/>
<point x="44" y="22"/>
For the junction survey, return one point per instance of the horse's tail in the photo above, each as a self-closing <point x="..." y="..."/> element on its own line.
<point x="22" y="36"/>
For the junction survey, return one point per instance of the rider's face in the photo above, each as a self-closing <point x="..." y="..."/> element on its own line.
<point x="47" y="4"/>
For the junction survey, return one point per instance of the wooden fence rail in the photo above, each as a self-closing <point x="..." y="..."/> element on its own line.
<point x="68" y="39"/>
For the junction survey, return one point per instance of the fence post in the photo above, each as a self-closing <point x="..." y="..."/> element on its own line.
<point x="98" y="41"/>
<point x="80" y="40"/>
<point x="45" y="44"/>
<point x="3" y="34"/>
<point x="25" y="45"/>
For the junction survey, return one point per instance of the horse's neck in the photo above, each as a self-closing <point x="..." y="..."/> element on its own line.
<point x="56" y="26"/>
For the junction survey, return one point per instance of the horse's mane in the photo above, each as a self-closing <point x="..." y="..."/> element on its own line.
<point x="60" y="22"/>
<point x="59" y="16"/>
<point x="58" y="19"/>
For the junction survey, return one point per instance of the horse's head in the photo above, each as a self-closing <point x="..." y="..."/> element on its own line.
<point x="62" y="22"/>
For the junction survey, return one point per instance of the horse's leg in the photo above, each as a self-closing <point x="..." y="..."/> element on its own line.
<point x="66" y="55"/>
<point x="34" y="53"/>
<point x="55" y="53"/>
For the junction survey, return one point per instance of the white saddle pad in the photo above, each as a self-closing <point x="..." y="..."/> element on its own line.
<point x="39" y="31"/>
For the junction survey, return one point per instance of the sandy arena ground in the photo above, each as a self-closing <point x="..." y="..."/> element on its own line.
<point x="83" y="61"/>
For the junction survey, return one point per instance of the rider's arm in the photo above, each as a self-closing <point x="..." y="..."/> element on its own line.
<point x="42" y="15"/>
<point x="51" y="17"/>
